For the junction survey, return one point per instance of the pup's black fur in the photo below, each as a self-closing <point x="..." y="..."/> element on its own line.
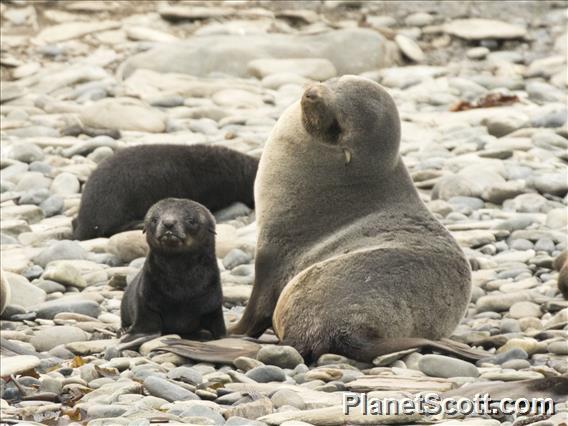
<point x="122" y="188"/>
<point x="178" y="289"/>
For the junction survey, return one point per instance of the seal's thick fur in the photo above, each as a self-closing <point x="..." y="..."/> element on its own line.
<point x="178" y="289"/>
<point x="122" y="188"/>
<point x="347" y="253"/>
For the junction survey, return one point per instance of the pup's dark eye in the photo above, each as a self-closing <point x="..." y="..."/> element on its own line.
<point x="192" y="221"/>
<point x="154" y="220"/>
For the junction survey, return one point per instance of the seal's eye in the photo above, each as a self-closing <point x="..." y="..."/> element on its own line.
<point x="154" y="220"/>
<point x="192" y="221"/>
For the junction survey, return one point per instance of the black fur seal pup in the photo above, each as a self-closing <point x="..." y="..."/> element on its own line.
<point x="122" y="188"/>
<point x="178" y="289"/>
<point x="349" y="259"/>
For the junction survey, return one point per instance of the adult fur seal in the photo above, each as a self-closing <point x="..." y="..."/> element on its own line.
<point x="122" y="188"/>
<point x="349" y="259"/>
<point x="178" y="289"/>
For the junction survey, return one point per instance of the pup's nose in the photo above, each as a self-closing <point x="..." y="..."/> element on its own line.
<point x="169" y="223"/>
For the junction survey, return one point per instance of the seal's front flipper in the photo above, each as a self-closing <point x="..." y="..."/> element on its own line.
<point x="135" y="340"/>
<point x="222" y="351"/>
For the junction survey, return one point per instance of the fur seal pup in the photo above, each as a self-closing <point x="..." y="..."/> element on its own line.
<point x="348" y="257"/>
<point x="178" y="289"/>
<point x="122" y="188"/>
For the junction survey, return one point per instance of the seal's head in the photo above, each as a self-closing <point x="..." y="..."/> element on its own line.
<point x="354" y="114"/>
<point x="178" y="225"/>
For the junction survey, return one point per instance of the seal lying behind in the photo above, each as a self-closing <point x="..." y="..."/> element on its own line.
<point x="348" y="256"/>
<point x="122" y="188"/>
<point x="178" y="289"/>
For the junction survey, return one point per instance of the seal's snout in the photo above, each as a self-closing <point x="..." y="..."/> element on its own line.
<point x="314" y="93"/>
<point x="318" y="113"/>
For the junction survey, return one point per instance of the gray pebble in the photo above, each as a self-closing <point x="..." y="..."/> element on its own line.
<point x="34" y="196"/>
<point x="52" y="206"/>
<point x="235" y="258"/>
<point x="162" y="388"/>
<point x="279" y="355"/>
<point x="186" y="374"/>
<point x="266" y="373"/>
<point x="60" y="250"/>
<point x="41" y="167"/>
<point x="26" y="152"/>
<point x="200" y="411"/>
<point x="443" y="366"/>
<point x="48" y="310"/>
<point x="284" y="397"/>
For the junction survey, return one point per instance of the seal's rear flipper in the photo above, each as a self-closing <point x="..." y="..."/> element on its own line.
<point x="222" y="351"/>
<point x="548" y="387"/>
<point x="371" y="350"/>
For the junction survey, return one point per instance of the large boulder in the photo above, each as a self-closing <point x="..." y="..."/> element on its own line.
<point x="351" y="51"/>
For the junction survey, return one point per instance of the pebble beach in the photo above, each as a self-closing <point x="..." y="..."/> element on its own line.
<point x="481" y="92"/>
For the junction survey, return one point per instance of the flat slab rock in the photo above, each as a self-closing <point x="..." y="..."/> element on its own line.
<point x="410" y="384"/>
<point x="17" y="364"/>
<point x="480" y="29"/>
<point x="336" y="416"/>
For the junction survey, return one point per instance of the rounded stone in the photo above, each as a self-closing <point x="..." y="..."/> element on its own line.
<point x="128" y="245"/>
<point x="281" y="356"/>
<point x="26" y="152"/>
<point x="558" y="348"/>
<point x="266" y="373"/>
<point x="284" y="397"/>
<point x="446" y="367"/>
<point x="525" y="309"/>
<point x="48" y="338"/>
<point x="162" y="388"/>
<point x="65" y="184"/>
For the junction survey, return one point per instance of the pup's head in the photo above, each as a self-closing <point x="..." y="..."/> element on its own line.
<point x="178" y="225"/>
